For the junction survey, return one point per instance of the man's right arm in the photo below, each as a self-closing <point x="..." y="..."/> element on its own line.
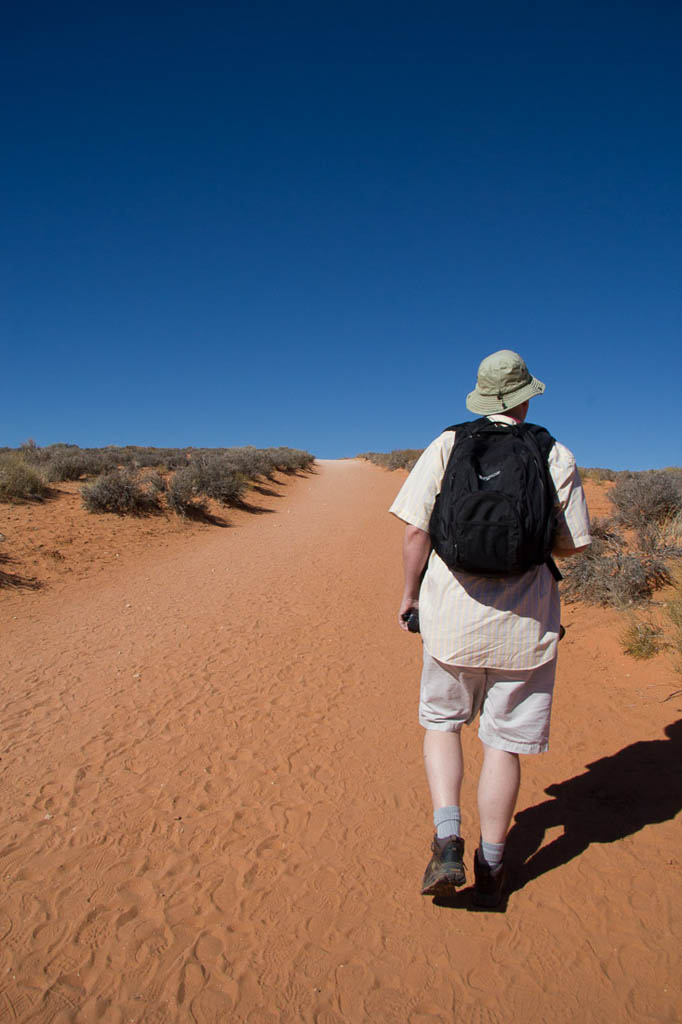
<point x="416" y="550"/>
<point x="414" y="504"/>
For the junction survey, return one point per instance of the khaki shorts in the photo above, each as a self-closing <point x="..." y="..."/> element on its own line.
<point x="515" y="706"/>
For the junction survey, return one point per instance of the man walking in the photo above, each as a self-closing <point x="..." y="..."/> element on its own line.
<point x="490" y="642"/>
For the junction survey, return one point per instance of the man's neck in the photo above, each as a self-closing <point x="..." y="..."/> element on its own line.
<point x="504" y="416"/>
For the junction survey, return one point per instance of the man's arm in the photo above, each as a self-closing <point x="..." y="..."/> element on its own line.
<point x="416" y="549"/>
<point x="573" y="524"/>
<point x="559" y="552"/>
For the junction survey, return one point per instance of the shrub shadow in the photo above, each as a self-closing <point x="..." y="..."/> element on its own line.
<point x="246" y="506"/>
<point x="51" y="494"/>
<point x="202" y="515"/>
<point x="267" y="492"/>
<point x="15" y="579"/>
<point x="617" y="796"/>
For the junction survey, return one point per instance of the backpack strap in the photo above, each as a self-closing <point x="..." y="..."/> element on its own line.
<point x="544" y="442"/>
<point x="543" y="438"/>
<point x="459" y="426"/>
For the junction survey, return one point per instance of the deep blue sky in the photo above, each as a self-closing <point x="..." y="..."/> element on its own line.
<point x="306" y="224"/>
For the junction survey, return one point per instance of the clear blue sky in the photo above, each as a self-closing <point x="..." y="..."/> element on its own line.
<point x="306" y="223"/>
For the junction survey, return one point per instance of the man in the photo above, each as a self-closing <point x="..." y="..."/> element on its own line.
<point x="490" y="644"/>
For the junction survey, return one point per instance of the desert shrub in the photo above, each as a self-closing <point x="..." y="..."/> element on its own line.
<point x="110" y="458"/>
<point x="167" y="458"/>
<point x="673" y="607"/>
<point x="37" y="456"/>
<point x="260" y="464"/>
<point x="182" y="496"/>
<point x="609" y="576"/>
<point x="120" y="492"/>
<point x="252" y="463"/>
<point x="597" y="474"/>
<point x="255" y="463"/>
<point x="59" y="462"/>
<point x="403" y="458"/>
<point x="663" y="538"/>
<point x="399" y="458"/>
<point x="605" y="534"/>
<point x="642" y="639"/>
<point x="30" y="452"/>
<point x="118" y="458"/>
<point x="306" y="460"/>
<point x="378" y="458"/>
<point x="290" y="460"/>
<point x="71" y="465"/>
<point x="20" y="481"/>
<point x="215" y="476"/>
<point x="651" y="496"/>
<point x="106" y="459"/>
<point x="670" y="533"/>
<point x="155" y="483"/>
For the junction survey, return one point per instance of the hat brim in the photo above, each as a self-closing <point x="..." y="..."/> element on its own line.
<point x="487" y="404"/>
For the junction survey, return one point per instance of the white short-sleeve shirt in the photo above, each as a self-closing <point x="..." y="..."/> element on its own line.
<point x="505" y="623"/>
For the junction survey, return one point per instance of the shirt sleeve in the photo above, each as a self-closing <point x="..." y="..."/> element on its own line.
<point x="416" y="498"/>
<point x="573" y="524"/>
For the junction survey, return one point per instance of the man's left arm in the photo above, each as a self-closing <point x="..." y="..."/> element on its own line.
<point x="573" y="526"/>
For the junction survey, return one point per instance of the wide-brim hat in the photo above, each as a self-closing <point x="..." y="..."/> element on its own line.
<point x="503" y="383"/>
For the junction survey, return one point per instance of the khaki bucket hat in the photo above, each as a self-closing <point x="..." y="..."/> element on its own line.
<point x="503" y="382"/>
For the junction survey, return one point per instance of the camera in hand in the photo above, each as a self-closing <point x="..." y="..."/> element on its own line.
<point x="411" y="618"/>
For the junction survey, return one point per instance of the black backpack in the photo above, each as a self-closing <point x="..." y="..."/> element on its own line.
<point x="496" y="514"/>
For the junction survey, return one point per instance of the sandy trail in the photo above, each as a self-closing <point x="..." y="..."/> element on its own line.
<point x="213" y="805"/>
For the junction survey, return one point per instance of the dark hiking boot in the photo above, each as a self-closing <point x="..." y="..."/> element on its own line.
<point x="445" y="870"/>
<point x="488" y="887"/>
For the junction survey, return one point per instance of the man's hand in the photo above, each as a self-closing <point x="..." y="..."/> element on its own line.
<point x="407" y="605"/>
<point x="558" y="552"/>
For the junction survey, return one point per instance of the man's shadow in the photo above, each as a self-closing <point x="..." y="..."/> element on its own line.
<point x="616" y="797"/>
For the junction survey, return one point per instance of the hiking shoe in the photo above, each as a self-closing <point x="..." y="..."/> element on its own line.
<point x="445" y="870"/>
<point x="488" y="887"/>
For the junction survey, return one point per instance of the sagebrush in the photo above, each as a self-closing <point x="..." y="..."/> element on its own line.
<point x="115" y="482"/>
<point x="642" y="639"/>
<point x="646" y="498"/>
<point x="608" y="573"/>
<point x="19" y="481"/>
<point x="399" y="458"/>
<point x="121" y="492"/>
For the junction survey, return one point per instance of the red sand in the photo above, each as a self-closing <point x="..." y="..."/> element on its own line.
<point x="213" y="804"/>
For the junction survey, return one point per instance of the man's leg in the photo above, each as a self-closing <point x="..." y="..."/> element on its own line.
<point x="515" y="714"/>
<point x="449" y="697"/>
<point x="498" y="789"/>
<point x="444" y="767"/>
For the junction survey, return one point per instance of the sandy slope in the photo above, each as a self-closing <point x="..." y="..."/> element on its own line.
<point x="213" y="806"/>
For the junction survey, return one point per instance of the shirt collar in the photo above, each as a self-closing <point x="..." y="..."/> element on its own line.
<point x="499" y="417"/>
